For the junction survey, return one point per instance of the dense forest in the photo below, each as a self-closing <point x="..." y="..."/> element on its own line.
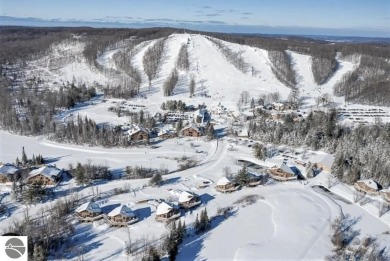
<point x="361" y="152"/>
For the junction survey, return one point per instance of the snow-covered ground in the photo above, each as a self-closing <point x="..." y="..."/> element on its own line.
<point x="293" y="217"/>
<point x="290" y="216"/>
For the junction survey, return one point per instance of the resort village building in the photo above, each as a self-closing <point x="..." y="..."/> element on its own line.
<point x="282" y="173"/>
<point x="122" y="216"/>
<point x="191" y="131"/>
<point x="89" y="212"/>
<point x="46" y="175"/>
<point x="8" y="172"/>
<point x="138" y="134"/>
<point x="189" y="199"/>
<point x="167" y="212"/>
<point x="225" y="185"/>
<point x="367" y="186"/>
<point x="324" y="161"/>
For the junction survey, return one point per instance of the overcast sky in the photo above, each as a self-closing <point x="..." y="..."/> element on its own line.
<point x="354" y="15"/>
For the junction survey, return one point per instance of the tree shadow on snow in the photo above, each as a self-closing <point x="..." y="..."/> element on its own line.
<point x="109" y="208"/>
<point x="171" y="181"/>
<point x="205" y="198"/>
<point x="143" y="213"/>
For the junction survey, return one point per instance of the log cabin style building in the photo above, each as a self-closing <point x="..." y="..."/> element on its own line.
<point x="192" y="131"/>
<point x="138" y="134"/>
<point x="121" y="216"/>
<point x="323" y="161"/>
<point x="189" y="200"/>
<point x="167" y="134"/>
<point x="45" y="175"/>
<point x="367" y="186"/>
<point x="8" y="173"/>
<point x="282" y="173"/>
<point x="167" y="212"/>
<point x="89" y="212"/>
<point x="225" y="185"/>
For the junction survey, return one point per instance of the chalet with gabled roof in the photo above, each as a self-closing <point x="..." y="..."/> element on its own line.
<point x="122" y="216"/>
<point x="189" y="199"/>
<point x="89" y="212"/>
<point x="138" y="134"/>
<point x="8" y="173"/>
<point x="282" y="173"/>
<point x="167" y="212"/>
<point x="225" y="185"/>
<point x="323" y="161"/>
<point x="192" y="131"/>
<point x="367" y="186"/>
<point x="46" y="175"/>
<point x="166" y="134"/>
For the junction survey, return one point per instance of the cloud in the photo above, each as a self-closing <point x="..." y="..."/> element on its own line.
<point x="244" y="18"/>
<point x="190" y="21"/>
<point x="247" y="13"/>
<point x="206" y="7"/>
<point x="215" y="22"/>
<point x="159" y="20"/>
<point x="213" y="15"/>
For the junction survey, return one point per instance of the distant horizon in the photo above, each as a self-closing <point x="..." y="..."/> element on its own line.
<point x="310" y="32"/>
<point x="293" y="17"/>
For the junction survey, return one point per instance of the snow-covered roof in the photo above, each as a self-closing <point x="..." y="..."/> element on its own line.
<point x="186" y="196"/>
<point x="136" y="129"/>
<point x="48" y="171"/>
<point x="286" y="168"/>
<point x="192" y="127"/>
<point x="223" y="181"/>
<point x="164" y="208"/>
<point x="162" y="132"/>
<point x="8" y="169"/>
<point x="122" y="210"/>
<point x="325" y="159"/>
<point x="90" y="206"/>
<point x="369" y="183"/>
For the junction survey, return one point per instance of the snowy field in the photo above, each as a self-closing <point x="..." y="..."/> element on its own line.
<point x="290" y="216"/>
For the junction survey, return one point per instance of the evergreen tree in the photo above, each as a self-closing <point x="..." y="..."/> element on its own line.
<point x="17" y="162"/>
<point x="80" y="174"/>
<point x="24" y="157"/>
<point x="152" y="254"/>
<point x="243" y="176"/>
<point x="156" y="180"/>
<point x="179" y="126"/>
<point x="197" y="225"/>
<point x="163" y="106"/>
<point x="205" y="220"/>
<point x="210" y="131"/>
